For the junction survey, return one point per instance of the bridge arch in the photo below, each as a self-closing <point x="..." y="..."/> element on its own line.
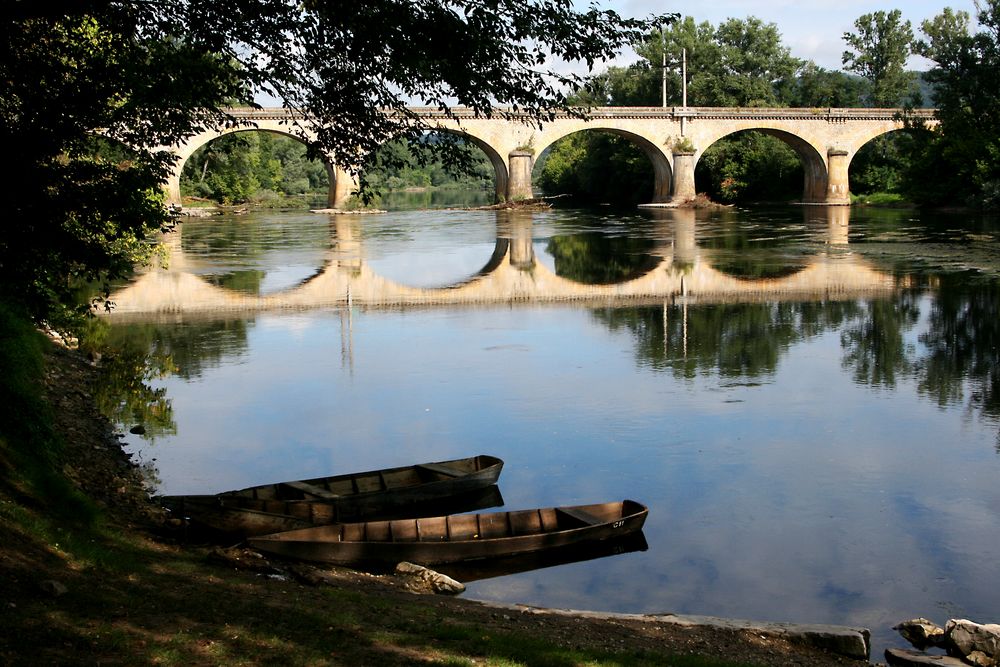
<point x="342" y="183"/>
<point x="814" y="164"/>
<point x="866" y="150"/>
<point x="660" y="161"/>
<point x="501" y="174"/>
<point x="863" y="134"/>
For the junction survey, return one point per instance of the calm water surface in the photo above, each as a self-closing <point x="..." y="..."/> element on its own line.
<point x="829" y="456"/>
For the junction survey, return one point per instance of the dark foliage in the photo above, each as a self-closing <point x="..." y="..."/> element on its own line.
<point x="962" y="166"/>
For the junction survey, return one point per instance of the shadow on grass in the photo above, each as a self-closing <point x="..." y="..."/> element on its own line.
<point x="140" y="602"/>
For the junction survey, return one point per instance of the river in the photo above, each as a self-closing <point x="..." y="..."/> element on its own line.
<point x="807" y="399"/>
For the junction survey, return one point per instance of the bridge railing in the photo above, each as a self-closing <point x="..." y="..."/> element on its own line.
<point x="799" y="113"/>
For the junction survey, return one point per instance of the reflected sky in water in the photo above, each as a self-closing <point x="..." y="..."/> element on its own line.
<point x="816" y="460"/>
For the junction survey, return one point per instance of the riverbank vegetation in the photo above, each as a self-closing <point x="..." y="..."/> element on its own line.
<point x="261" y="168"/>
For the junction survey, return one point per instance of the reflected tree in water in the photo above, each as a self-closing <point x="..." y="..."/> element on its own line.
<point x="136" y="356"/>
<point x="874" y="344"/>
<point x="248" y="281"/>
<point x="819" y="317"/>
<point x="758" y="252"/>
<point x="192" y="348"/>
<point x="244" y="245"/>
<point x="733" y="340"/>
<point x="251" y="238"/>
<point x="963" y="346"/>
<point x="597" y="259"/>
<point x="125" y="395"/>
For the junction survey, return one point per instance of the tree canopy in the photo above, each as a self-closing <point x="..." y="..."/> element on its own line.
<point x="740" y="62"/>
<point x="144" y="74"/>
<point x="962" y="164"/>
<point x="881" y="47"/>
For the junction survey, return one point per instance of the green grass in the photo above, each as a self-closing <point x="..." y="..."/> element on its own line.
<point x="889" y="199"/>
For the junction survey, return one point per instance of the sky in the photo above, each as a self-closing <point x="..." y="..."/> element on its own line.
<point x="812" y="29"/>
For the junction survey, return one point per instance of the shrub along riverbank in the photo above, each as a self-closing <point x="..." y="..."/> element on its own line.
<point x="92" y="575"/>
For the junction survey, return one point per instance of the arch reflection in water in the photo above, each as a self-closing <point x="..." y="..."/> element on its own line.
<point x="675" y="266"/>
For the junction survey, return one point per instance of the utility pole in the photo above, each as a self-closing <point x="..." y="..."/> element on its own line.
<point x="663" y="67"/>
<point x="684" y="85"/>
<point x="684" y="78"/>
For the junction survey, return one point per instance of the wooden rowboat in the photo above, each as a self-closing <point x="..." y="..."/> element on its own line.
<point x="455" y="538"/>
<point x="239" y="517"/>
<point x="413" y="490"/>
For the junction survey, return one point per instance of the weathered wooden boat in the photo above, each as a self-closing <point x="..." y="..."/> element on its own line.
<point x="455" y="538"/>
<point x="412" y="490"/>
<point x="241" y="517"/>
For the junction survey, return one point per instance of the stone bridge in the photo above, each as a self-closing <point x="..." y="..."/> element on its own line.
<point x="826" y="140"/>
<point x="513" y="275"/>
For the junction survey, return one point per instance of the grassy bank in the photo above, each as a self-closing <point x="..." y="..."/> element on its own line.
<point x="30" y="446"/>
<point x="92" y="575"/>
<point x="881" y="199"/>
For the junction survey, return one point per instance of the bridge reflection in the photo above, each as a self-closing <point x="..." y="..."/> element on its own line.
<point x="681" y="270"/>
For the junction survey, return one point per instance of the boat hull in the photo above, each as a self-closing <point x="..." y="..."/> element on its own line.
<point x="241" y="517"/>
<point x="418" y="490"/>
<point x="458" y="538"/>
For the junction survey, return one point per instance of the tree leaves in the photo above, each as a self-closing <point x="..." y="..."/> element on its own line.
<point x="881" y="47"/>
<point x="962" y="164"/>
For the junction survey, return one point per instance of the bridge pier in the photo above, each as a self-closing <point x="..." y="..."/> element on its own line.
<point x="343" y="184"/>
<point x="838" y="190"/>
<point x="683" y="186"/>
<point x="519" y="182"/>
